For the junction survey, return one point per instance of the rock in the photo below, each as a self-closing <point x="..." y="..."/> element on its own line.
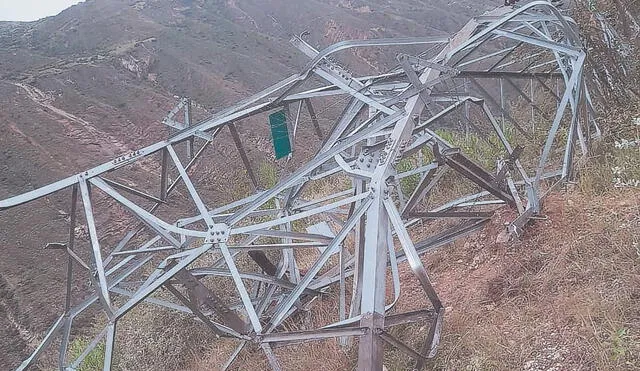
<point x="81" y="232"/>
<point x="503" y="237"/>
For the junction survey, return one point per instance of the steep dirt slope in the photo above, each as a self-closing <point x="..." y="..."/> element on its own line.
<point x="563" y="298"/>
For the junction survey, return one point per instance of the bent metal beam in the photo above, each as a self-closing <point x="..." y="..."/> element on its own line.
<point x="396" y="157"/>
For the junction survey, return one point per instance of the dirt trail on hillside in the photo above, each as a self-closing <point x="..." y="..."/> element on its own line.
<point x="17" y="337"/>
<point x="98" y="137"/>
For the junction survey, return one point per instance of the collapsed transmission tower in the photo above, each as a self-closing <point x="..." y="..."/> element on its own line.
<point x="406" y="124"/>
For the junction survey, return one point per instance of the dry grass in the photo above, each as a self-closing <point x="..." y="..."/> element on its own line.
<point x="305" y="356"/>
<point x="563" y="298"/>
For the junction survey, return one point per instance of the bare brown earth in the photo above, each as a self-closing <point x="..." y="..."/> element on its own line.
<point x="562" y="298"/>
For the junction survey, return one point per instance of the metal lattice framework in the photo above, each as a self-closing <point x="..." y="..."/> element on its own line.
<point x="398" y="126"/>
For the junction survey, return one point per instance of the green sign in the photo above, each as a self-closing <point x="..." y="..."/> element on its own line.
<point x="280" y="134"/>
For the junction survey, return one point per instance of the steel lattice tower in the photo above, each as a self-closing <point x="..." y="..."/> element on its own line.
<point x="499" y="58"/>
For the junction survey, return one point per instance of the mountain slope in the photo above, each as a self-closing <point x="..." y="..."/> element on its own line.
<point x="94" y="82"/>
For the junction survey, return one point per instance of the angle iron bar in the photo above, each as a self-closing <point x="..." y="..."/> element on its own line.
<point x="158" y="225"/>
<point x="395" y="275"/>
<point x="53" y="330"/>
<point x="303" y="205"/>
<point x="94" y="297"/>
<point x="64" y="341"/>
<point x="320" y="334"/>
<point x="324" y="257"/>
<point x="67" y="306"/>
<point x="521" y="18"/>
<point x="547" y="88"/>
<point x="76" y="363"/>
<point x="507" y="74"/>
<point x="432" y="341"/>
<point x="131" y="190"/>
<point x="408" y="317"/>
<point x="109" y="344"/>
<point x="297" y="120"/>
<point x="243" y="155"/>
<point x="427" y="182"/>
<point x="145" y="251"/>
<point x="412" y="254"/>
<point x="196" y="311"/>
<point x="70" y="246"/>
<point x="451" y="214"/>
<point x="571" y="86"/>
<point x="400" y="345"/>
<point x="123" y="242"/>
<point x="505" y="142"/>
<point x="271" y="357"/>
<point x="460" y="163"/>
<point x="277" y="246"/>
<point x="447" y="236"/>
<point x="486" y="56"/>
<point x="74" y="256"/>
<point x="126" y="260"/>
<point x="103" y="290"/>
<point x="332" y="78"/>
<point x="498" y="64"/>
<point x="199" y="272"/>
<point x="313" y="164"/>
<point x="526" y="97"/>
<point x="348" y="115"/>
<point x="562" y="48"/>
<point x="235" y="204"/>
<point x="506" y="114"/>
<point x="517" y="61"/>
<point x="418" y="170"/>
<point x="154" y="301"/>
<point x="194" y="254"/>
<point x="294" y="235"/>
<point x="202" y="294"/>
<point x="481" y="203"/>
<point x="233" y="356"/>
<point x="298" y="216"/>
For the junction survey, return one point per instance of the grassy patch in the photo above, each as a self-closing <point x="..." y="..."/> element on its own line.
<point x="485" y="151"/>
<point x="616" y="161"/>
<point x="93" y="361"/>
<point x="267" y="174"/>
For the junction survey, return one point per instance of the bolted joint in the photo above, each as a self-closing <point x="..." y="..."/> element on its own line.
<point x="388" y="188"/>
<point x="218" y="233"/>
<point x="368" y="159"/>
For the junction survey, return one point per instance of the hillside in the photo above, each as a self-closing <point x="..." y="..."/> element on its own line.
<point x="95" y="81"/>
